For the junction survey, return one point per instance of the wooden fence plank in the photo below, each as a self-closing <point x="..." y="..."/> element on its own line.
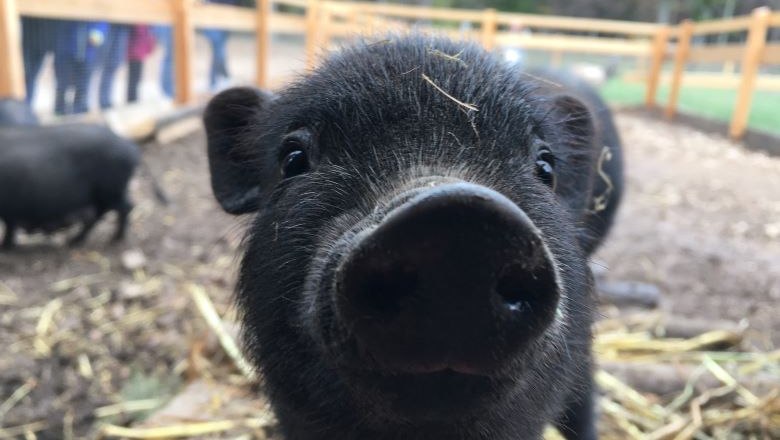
<point x="183" y="49"/>
<point x="754" y="52"/>
<point x="775" y="20"/>
<point x="263" y="41"/>
<point x="410" y="12"/>
<point x="312" y="32"/>
<point x="324" y="34"/>
<point x="12" y="73"/>
<point x="660" y="44"/>
<point x="135" y="11"/>
<point x="579" y="24"/>
<point x="680" y="59"/>
<point x="489" y="28"/>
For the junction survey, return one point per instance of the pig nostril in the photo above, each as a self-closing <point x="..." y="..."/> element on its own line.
<point x="523" y="288"/>
<point x="381" y="292"/>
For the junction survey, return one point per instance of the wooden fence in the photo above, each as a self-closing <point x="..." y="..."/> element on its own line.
<point x="492" y="28"/>
<point x="321" y="21"/>
<point x="751" y="55"/>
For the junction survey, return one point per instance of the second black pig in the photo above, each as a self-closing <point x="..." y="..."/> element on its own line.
<point x="54" y="176"/>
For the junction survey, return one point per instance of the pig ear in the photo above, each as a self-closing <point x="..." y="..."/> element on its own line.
<point x="232" y="162"/>
<point x="575" y="116"/>
<point x="572" y="144"/>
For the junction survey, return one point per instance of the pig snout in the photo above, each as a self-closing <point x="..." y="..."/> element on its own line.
<point x="456" y="278"/>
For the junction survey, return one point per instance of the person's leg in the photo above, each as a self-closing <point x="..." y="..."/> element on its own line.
<point x="33" y="61"/>
<point x="164" y="39"/>
<point x="63" y="73"/>
<point x="212" y="35"/>
<point x="135" y="71"/>
<point x="113" y="54"/>
<point x="222" y="69"/>
<point x="82" y="73"/>
<point x="34" y="51"/>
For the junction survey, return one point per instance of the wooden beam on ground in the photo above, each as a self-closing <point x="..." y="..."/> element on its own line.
<point x="12" y="73"/>
<point x="754" y="52"/>
<point x="660" y="44"/>
<point x="263" y="41"/>
<point x="184" y="47"/>
<point x="680" y="59"/>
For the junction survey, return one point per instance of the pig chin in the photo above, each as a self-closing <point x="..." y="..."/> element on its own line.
<point x="438" y="396"/>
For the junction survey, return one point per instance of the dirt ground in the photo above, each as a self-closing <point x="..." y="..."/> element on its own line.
<point x="87" y="328"/>
<point x="700" y="219"/>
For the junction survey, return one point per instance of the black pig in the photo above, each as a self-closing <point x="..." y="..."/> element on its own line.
<point x="54" y="176"/>
<point x="417" y="264"/>
<point x="16" y="113"/>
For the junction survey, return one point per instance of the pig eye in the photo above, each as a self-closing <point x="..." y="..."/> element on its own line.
<point x="295" y="153"/>
<point x="295" y="163"/>
<point x="545" y="162"/>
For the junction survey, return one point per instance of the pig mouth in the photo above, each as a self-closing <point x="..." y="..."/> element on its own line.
<point x="428" y="396"/>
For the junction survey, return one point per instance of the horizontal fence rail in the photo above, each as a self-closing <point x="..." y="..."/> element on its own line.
<point x="322" y="21"/>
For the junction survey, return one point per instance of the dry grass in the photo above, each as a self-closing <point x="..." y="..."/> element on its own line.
<point x="75" y="325"/>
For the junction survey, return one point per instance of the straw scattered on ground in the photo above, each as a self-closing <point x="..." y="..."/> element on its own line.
<point x="139" y="340"/>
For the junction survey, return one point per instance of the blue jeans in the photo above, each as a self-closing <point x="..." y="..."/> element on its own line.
<point x="72" y="74"/>
<point x="113" y="54"/>
<point x="164" y="37"/>
<point x="218" y="39"/>
<point x="37" y="41"/>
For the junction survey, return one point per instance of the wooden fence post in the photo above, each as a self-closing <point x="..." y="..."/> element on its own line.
<point x="685" y="32"/>
<point x="751" y="61"/>
<point x="356" y="21"/>
<point x="323" y="36"/>
<point x="660" y="42"/>
<point x="263" y="41"/>
<point x="12" y="73"/>
<point x="489" y="28"/>
<point x="184" y="46"/>
<point x="312" y="32"/>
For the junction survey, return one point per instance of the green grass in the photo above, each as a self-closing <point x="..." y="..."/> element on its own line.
<point x="711" y="103"/>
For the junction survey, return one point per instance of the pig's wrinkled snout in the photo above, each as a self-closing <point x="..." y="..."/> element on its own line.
<point x="455" y="278"/>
